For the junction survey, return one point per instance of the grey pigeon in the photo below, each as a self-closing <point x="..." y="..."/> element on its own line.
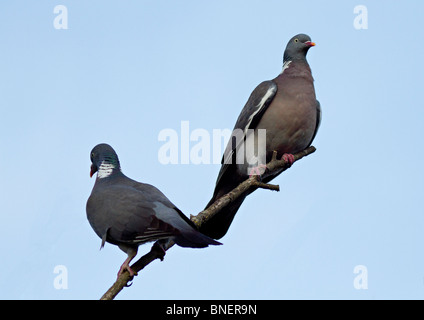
<point x="286" y="107"/>
<point x="128" y="213"/>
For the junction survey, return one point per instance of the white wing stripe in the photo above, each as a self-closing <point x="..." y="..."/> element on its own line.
<point x="269" y="93"/>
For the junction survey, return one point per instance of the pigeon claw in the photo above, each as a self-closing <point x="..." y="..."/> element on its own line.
<point x="126" y="267"/>
<point x="288" y="158"/>
<point x="258" y="171"/>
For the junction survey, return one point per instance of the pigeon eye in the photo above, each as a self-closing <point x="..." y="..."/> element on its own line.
<point x="296" y="40"/>
<point x="92" y="156"/>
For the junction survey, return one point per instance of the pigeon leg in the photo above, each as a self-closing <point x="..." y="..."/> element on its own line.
<point x="258" y="171"/>
<point x="126" y="265"/>
<point x="158" y="246"/>
<point x="288" y="158"/>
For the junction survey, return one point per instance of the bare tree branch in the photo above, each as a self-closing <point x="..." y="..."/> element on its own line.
<point x="157" y="250"/>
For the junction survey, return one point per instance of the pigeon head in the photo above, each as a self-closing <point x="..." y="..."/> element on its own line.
<point x="104" y="160"/>
<point x="298" y="47"/>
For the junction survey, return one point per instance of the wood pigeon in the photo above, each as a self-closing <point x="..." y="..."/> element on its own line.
<point x="128" y="213"/>
<point x="287" y="111"/>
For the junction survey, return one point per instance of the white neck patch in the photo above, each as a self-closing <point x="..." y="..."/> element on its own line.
<point x="285" y="66"/>
<point x="105" y="170"/>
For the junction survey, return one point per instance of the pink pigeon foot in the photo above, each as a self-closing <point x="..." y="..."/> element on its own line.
<point x="258" y="171"/>
<point x="125" y="266"/>
<point x="288" y="158"/>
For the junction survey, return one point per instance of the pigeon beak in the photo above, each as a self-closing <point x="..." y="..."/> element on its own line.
<point x="93" y="170"/>
<point x="310" y="44"/>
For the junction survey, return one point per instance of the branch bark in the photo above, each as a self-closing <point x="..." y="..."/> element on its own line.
<point x="156" y="252"/>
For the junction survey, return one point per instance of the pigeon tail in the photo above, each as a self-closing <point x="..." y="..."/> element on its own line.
<point x="217" y="226"/>
<point x="194" y="239"/>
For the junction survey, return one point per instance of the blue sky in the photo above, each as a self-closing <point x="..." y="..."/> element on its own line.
<point x="125" y="70"/>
